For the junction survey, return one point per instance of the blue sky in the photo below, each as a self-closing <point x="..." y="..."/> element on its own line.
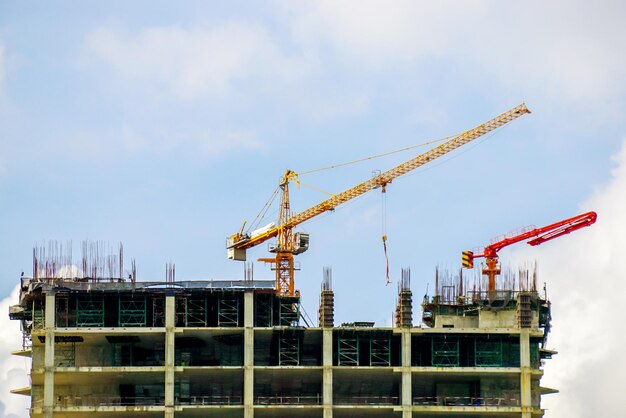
<point x="165" y="127"/>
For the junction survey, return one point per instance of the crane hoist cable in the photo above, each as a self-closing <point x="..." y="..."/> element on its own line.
<point x="296" y="176"/>
<point x="469" y="148"/>
<point x="261" y="215"/>
<point x="384" y="195"/>
<point x="384" y="226"/>
<point x="371" y="157"/>
<point x="317" y="189"/>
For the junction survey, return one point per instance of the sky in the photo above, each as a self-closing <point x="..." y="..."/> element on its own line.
<point x="165" y="128"/>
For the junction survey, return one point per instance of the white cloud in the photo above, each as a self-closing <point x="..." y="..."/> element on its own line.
<point x="585" y="275"/>
<point x="3" y="145"/>
<point x="127" y="140"/>
<point x="570" y="50"/>
<point x="14" y="370"/>
<point x="556" y="48"/>
<point x="379" y="34"/>
<point x="197" y="62"/>
<point x="205" y="144"/>
<point x="320" y="110"/>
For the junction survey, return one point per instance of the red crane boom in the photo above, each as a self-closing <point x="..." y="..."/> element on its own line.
<point x="540" y="235"/>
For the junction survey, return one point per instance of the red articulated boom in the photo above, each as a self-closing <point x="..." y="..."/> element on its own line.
<point x="539" y="235"/>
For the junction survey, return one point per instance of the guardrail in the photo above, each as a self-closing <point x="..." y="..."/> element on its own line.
<point x="69" y="401"/>
<point x="209" y="400"/>
<point x="367" y="400"/>
<point x="465" y="401"/>
<point x="289" y="400"/>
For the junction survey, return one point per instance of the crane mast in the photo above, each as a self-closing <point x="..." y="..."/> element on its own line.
<point x="539" y="235"/>
<point x="290" y="243"/>
<point x="283" y="262"/>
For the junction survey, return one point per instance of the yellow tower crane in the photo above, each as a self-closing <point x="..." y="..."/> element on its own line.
<point x="290" y="243"/>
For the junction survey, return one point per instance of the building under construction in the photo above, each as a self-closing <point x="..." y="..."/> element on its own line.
<point x="116" y="347"/>
<point x="103" y="343"/>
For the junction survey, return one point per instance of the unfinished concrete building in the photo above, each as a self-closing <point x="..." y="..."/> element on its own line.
<point x="123" y="348"/>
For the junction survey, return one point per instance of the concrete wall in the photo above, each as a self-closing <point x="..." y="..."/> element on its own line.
<point x="93" y="356"/>
<point x="497" y="319"/>
<point x="456" y="321"/>
<point x="38" y="355"/>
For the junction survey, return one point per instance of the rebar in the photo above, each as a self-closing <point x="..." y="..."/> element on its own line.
<point x="326" y="313"/>
<point x="99" y="261"/>
<point x="404" y="306"/>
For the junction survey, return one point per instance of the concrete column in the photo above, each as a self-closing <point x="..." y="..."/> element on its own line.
<point x="327" y="372"/>
<point x="248" y="354"/>
<point x="48" y="378"/>
<point x="170" y="328"/>
<point x="525" y="378"/>
<point x="407" y="404"/>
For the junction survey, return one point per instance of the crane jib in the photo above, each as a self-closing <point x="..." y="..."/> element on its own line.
<point x="416" y="162"/>
<point x="290" y="244"/>
<point x="244" y="242"/>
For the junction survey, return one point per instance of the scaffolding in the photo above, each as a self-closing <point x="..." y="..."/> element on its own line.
<point x="264" y="310"/>
<point x="90" y="311"/>
<point x="158" y="311"/>
<point x="196" y="311"/>
<point x="348" y="349"/>
<point x="65" y="354"/>
<point x="289" y="348"/>
<point x="38" y="315"/>
<point x="62" y="314"/>
<point x="511" y="354"/>
<point x="132" y="310"/>
<point x="181" y="309"/>
<point x="535" y="358"/>
<point x="289" y="311"/>
<point x="227" y="309"/>
<point x="445" y="352"/>
<point x="27" y="340"/>
<point x="122" y="354"/>
<point x="380" y="348"/>
<point x="488" y="353"/>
